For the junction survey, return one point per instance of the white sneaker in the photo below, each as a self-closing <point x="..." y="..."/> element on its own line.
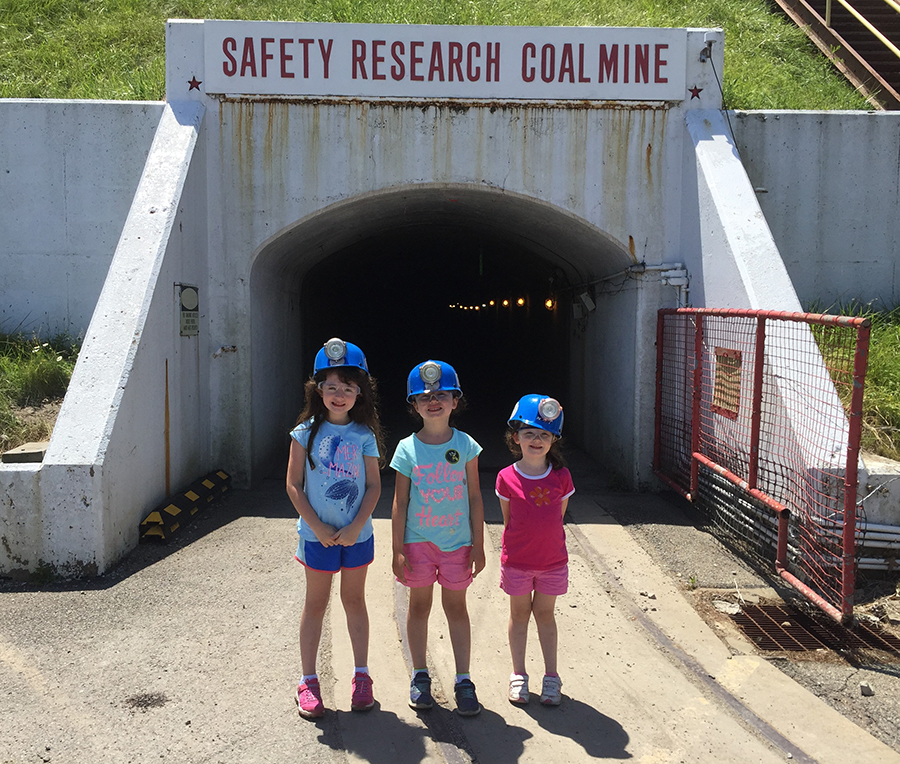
<point x="518" y="688"/>
<point x="551" y="691"/>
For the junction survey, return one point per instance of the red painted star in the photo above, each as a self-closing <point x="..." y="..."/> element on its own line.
<point x="194" y="83"/>
<point x="695" y="92"/>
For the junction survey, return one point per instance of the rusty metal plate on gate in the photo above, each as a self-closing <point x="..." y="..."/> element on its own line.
<point x="780" y="627"/>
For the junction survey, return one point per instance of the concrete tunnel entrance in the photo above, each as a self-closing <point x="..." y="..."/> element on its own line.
<point x="410" y="275"/>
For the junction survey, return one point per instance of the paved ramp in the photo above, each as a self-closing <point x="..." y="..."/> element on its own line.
<point x="188" y="653"/>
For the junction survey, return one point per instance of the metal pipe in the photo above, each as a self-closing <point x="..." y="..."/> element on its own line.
<point x="697" y="401"/>
<point x="851" y="474"/>
<point x="870" y="543"/>
<point x="636" y="268"/>
<point x="756" y="414"/>
<point x="641" y="267"/>
<point x="811" y="595"/>
<point x="782" y="315"/>
<point x="771" y="503"/>
<point x="878" y="528"/>
<point x="673" y="485"/>
<point x="862" y="528"/>
<point x="875" y="563"/>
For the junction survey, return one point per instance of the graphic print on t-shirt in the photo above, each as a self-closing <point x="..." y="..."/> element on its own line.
<point x="437" y="483"/>
<point x="335" y="485"/>
<point x="438" y="510"/>
<point x="540" y="496"/>
<point x="340" y="460"/>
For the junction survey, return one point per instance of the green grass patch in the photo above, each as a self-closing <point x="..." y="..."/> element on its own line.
<point x="881" y="407"/>
<point x="32" y="372"/>
<point x="881" y="399"/>
<point x="115" y="49"/>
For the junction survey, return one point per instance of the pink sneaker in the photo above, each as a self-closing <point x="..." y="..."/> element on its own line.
<point x="362" y="698"/>
<point x="309" y="700"/>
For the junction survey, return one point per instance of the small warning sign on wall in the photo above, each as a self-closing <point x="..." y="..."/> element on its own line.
<point x="190" y="313"/>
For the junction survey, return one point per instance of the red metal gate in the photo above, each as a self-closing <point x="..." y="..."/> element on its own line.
<point x="758" y="422"/>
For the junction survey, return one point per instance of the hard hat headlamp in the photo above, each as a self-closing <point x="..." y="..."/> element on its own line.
<point x="335" y="350"/>
<point x="430" y="373"/>
<point x="549" y="409"/>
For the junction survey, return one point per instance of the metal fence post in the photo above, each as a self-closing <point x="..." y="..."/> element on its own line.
<point x="697" y="402"/>
<point x="851" y="473"/>
<point x="756" y="415"/>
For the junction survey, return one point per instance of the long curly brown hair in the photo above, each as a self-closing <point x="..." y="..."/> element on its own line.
<point x="554" y="455"/>
<point x="364" y="411"/>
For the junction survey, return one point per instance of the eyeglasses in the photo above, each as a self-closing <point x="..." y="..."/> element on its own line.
<point x="541" y="435"/>
<point x="348" y="391"/>
<point x="442" y="396"/>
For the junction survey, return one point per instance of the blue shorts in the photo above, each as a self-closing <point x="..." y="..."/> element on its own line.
<point x="330" y="559"/>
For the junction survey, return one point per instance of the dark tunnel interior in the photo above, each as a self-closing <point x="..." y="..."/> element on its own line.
<point x="432" y="292"/>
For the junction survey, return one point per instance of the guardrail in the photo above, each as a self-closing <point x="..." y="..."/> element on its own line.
<point x="865" y="22"/>
<point x="860" y="37"/>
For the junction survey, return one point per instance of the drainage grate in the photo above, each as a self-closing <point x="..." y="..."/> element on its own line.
<point x="777" y="627"/>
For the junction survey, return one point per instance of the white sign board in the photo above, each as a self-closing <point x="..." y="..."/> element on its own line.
<point x="274" y="58"/>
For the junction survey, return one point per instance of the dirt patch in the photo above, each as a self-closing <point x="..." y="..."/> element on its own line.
<point x="146" y="700"/>
<point x="32" y="423"/>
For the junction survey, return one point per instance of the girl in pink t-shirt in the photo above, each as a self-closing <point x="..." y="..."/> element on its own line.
<point x="534" y="569"/>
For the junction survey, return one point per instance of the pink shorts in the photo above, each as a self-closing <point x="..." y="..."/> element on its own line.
<point x="452" y="570"/>
<point x="516" y="582"/>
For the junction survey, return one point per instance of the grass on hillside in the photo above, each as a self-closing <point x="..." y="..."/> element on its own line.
<point x="115" y="49"/>
<point x="32" y="371"/>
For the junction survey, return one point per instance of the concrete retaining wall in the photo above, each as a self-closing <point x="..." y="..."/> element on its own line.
<point x="68" y="173"/>
<point x="829" y="186"/>
<point x="134" y="423"/>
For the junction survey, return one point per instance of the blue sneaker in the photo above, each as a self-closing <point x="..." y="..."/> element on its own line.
<point x="466" y="700"/>
<point x="420" y="691"/>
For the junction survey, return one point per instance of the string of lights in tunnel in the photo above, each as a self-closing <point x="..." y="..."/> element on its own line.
<point x="549" y="304"/>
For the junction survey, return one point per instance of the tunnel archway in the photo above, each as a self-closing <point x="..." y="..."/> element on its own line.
<point x="411" y="274"/>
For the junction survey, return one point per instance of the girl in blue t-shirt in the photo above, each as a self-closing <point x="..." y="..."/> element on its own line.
<point x="437" y="525"/>
<point x="333" y="481"/>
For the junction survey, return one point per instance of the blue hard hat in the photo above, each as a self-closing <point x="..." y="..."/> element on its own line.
<point x="337" y="353"/>
<point x="539" y="411"/>
<point x="431" y="376"/>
